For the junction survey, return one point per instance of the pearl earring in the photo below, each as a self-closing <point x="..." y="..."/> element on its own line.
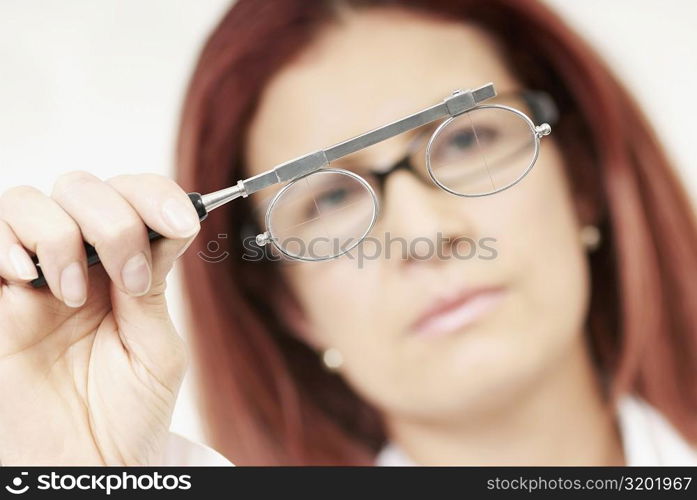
<point x="590" y="237"/>
<point x="332" y="359"/>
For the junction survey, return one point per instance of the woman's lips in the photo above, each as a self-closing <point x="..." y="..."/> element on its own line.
<point x="457" y="313"/>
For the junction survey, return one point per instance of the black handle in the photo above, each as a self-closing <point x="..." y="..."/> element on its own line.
<point x="93" y="258"/>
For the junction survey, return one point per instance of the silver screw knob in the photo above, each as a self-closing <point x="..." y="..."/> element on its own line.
<point x="263" y="238"/>
<point x="543" y="129"/>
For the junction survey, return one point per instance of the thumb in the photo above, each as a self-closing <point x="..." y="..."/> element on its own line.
<point x="144" y="322"/>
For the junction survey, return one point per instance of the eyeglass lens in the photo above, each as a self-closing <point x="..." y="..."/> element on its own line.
<point x="482" y="151"/>
<point x="321" y="215"/>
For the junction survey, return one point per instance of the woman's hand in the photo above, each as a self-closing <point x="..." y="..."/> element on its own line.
<point x="90" y="368"/>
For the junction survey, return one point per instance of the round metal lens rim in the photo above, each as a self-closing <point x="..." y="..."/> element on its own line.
<point x="440" y="128"/>
<point x="277" y="196"/>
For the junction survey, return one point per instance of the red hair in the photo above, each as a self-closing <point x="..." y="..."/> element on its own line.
<point x="265" y="397"/>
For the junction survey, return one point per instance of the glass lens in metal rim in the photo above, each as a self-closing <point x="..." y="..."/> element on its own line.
<point x="321" y="215"/>
<point x="483" y="151"/>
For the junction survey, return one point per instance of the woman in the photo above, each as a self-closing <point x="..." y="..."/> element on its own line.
<point x="574" y="345"/>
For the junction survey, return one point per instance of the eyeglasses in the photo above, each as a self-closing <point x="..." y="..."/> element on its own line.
<point x="323" y="212"/>
<point x="513" y="143"/>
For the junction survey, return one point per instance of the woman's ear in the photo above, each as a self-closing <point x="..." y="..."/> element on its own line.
<point x="292" y="313"/>
<point x="588" y="209"/>
<point x="588" y="214"/>
<point x="585" y="213"/>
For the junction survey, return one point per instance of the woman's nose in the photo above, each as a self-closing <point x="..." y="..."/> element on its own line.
<point x="427" y="219"/>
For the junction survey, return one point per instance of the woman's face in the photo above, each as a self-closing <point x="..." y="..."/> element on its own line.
<point x="427" y="337"/>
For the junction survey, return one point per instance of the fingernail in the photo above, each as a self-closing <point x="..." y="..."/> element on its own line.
<point x="136" y="275"/>
<point x="180" y="217"/>
<point x="73" y="286"/>
<point x="21" y="263"/>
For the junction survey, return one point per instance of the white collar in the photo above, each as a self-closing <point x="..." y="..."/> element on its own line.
<point x="647" y="438"/>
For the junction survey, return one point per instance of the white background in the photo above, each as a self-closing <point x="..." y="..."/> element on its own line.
<point x="97" y="84"/>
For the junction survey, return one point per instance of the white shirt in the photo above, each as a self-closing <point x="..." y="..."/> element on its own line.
<point x="181" y="451"/>
<point x="647" y="438"/>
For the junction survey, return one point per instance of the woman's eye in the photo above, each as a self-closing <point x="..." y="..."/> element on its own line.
<point x="331" y="198"/>
<point x="466" y="139"/>
<point x="463" y="140"/>
<point x="326" y="200"/>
